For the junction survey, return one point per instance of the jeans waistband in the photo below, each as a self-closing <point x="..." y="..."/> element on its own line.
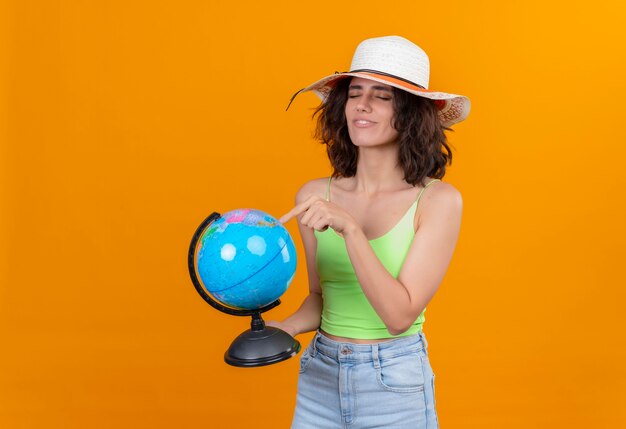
<point x="368" y="352"/>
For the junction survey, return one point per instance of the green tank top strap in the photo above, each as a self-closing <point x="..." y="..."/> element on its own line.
<point x="423" y="189"/>
<point x="328" y="190"/>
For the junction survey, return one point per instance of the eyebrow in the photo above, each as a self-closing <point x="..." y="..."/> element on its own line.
<point x="376" y="87"/>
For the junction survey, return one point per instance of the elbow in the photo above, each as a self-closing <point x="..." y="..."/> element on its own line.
<point x="400" y="323"/>
<point x="395" y="332"/>
<point x="398" y="328"/>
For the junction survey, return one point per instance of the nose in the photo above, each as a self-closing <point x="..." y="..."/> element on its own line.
<point x="363" y="104"/>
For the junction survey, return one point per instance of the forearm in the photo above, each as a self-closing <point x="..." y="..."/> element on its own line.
<point x="389" y="298"/>
<point x="307" y="318"/>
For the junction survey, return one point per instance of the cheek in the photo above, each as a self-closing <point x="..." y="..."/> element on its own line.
<point x="349" y="108"/>
<point x="392" y="121"/>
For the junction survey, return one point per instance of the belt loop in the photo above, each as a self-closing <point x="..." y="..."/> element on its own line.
<point x="375" y="357"/>
<point x="423" y="337"/>
<point x="314" y="344"/>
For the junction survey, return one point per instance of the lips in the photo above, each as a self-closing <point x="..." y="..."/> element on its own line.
<point x="363" y="123"/>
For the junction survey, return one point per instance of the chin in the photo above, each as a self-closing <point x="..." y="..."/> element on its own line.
<point x="372" y="141"/>
<point x="369" y="143"/>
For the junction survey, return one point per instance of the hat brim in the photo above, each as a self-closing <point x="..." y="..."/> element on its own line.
<point x="452" y="108"/>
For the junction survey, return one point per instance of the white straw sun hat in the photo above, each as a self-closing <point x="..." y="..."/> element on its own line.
<point x="398" y="62"/>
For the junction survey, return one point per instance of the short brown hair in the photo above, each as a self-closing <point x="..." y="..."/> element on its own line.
<point x="424" y="149"/>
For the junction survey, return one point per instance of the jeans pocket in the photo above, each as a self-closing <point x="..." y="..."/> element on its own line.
<point x="401" y="374"/>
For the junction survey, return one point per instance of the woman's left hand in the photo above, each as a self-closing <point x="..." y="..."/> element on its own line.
<point x="320" y="214"/>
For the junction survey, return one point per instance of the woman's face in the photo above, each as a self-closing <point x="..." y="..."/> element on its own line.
<point x="370" y="113"/>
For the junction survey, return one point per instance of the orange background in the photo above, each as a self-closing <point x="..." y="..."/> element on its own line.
<point x="123" y="124"/>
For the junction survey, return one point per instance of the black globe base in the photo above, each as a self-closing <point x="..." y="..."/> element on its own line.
<point x="261" y="345"/>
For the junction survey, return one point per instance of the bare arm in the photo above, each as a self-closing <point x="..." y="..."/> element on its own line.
<point x="308" y="316"/>
<point x="399" y="301"/>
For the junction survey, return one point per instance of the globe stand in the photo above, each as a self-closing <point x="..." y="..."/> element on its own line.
<point x="258" y="346"/>
<point x="261" y="345"/>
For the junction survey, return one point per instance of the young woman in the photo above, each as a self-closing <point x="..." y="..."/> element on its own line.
<point x="378" y="236"/>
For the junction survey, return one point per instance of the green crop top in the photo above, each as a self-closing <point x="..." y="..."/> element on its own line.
<point x="346" y="311"/>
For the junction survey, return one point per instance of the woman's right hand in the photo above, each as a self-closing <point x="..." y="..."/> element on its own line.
<point x="320" y="214"/>
<point x="290" y="329"/>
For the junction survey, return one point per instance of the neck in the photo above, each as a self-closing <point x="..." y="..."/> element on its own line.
<point x="378" y="170"/>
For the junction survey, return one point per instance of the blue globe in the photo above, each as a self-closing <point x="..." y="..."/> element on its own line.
<point x="246" y="259"/>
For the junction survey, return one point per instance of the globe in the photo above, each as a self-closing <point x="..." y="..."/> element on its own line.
<point x="246" y="259"/>
<point x="240" y="263"/>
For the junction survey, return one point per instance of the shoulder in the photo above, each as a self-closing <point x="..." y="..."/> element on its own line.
<point x="312" y="187"/>
<point x="445" y="193"/>
<point x="440" y="199"/>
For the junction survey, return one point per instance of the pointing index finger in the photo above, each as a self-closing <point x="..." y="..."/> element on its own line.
<point x="286" y="217"/>
<point x="300" y="208"/>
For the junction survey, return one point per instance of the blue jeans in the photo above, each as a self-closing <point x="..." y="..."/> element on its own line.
<point x="357" y="386"/>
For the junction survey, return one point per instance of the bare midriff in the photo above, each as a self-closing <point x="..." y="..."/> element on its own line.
<point x="353" y="340"/>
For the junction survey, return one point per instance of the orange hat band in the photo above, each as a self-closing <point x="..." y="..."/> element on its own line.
<point x="396" y="80"/>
